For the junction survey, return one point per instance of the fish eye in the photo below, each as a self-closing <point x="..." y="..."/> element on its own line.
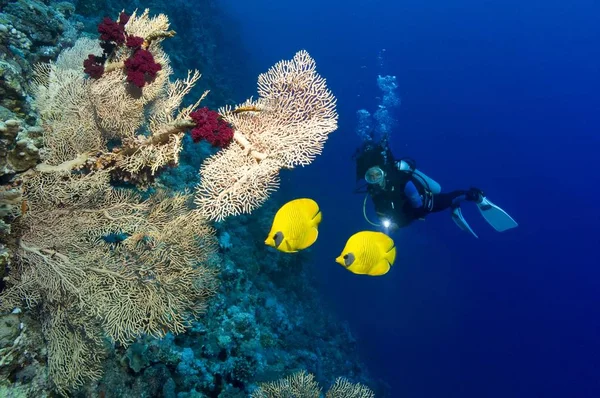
<point x="278" y="238"/>
<point x="349" y="259"/>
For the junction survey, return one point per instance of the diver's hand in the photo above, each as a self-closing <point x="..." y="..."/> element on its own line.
<point x="403" y="165"/>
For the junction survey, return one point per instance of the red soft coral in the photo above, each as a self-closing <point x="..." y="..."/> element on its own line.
<point x="211" y="127"/>
<point x="140" y="67"/>
<point x="111" y="31"/>
<point x="93" y="66"/>
<point x="134" y="42"/>
<point x="123" y="18"/>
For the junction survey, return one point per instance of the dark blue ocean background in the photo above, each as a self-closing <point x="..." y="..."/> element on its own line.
<point x="502" y="95"/>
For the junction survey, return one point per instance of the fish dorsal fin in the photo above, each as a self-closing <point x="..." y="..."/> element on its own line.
<point x="310" y="209"/>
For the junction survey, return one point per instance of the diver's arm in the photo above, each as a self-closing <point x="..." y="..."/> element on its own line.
<point x="409" y="166"/>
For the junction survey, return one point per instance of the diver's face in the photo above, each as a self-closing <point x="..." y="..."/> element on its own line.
<point x="375" y="176"/>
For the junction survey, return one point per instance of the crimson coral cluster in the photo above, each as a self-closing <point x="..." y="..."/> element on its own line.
<point x="211" y="127"/>
<point x="140" y="67"/>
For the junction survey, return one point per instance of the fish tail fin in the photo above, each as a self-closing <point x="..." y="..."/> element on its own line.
<point x="390" y="255"/>
<point x="383" y="266"/>
<point x="317" y="218"/>
<point x="311" y="237"/>
<point x="313" y="232"/>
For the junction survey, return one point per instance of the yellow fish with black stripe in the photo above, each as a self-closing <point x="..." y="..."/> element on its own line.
<point x="368" y="253"/>
<point x="295" y="226"/>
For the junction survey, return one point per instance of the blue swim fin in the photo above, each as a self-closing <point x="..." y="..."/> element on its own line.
<point x="461" y="222"/>
<point x="495" y="216"/>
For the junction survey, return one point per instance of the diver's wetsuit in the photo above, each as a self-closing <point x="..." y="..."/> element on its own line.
<point x="391" y="202"/>
<point x="443" y="201"/>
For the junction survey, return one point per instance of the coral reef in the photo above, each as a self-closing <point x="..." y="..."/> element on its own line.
<point x="22" y="359"/>
<point x="94" y="260"/>
<point x="30" y="32"/>
<point x="266" y="322"/>
<point x="19" y="146"/>
<point x="99" y="266"/>
<point x="109" y="256"/>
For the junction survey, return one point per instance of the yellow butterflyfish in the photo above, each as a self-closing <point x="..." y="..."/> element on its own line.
<point x="368" y="253"/>
<point x="295" y="226"/>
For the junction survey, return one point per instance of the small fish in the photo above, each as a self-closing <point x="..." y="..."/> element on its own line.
<point x="295" y="226"/>
<point x="368" y="253"/>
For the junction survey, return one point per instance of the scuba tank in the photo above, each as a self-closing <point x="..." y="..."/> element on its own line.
<point x="429" y="184"/>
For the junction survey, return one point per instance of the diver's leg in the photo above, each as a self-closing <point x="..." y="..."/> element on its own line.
<point x="452" y="200"/>
<point x="443" y="201"/>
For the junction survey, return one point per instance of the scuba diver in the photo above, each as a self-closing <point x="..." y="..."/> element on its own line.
<point x="402" y="194"/>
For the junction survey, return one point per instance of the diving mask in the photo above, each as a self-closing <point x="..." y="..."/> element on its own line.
<point x="375" y="175"/>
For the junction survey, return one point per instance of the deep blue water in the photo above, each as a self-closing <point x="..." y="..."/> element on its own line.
<point x="503" y="95"/>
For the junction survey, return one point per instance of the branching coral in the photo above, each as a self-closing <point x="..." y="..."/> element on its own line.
<point x="286" y="127"/>
<point x="300" y="385"/>
<point x="303" y="385"/>
<point x="152" y="281"/>
<point x="344" y="389"/>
